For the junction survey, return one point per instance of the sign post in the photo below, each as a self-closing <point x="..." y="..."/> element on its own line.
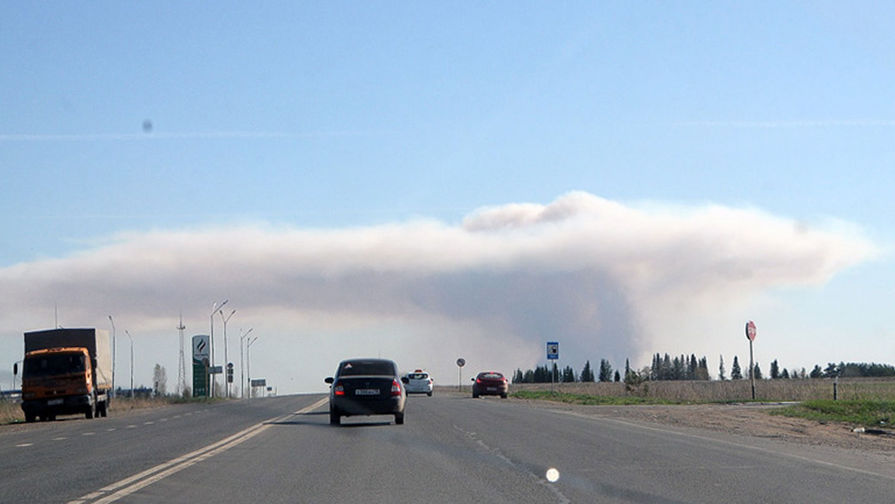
<point x="750" y="335"/>
<point x="553" y="355"/>
<point x="200" y="365"/>
<point x="460" y="363"/>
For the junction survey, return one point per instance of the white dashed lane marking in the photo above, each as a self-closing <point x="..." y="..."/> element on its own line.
<point x="110" y="429"/>
<point x="127" y="486"/>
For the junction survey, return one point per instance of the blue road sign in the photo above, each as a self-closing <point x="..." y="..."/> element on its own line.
<point x="553" y="350"/>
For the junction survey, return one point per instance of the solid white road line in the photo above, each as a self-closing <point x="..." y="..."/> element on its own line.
<point x="145" y="478"/>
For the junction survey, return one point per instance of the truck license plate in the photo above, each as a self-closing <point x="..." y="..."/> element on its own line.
<point x="366" y="391"/>
<point x="54" y="402"/>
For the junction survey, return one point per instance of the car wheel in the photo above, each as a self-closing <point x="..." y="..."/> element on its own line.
<point x="503" y="396"/>
<point x="475" y="395"/>
<point x="334" y="417"/>
<point x="429" y="394"/>
<point x="399" y="418"/>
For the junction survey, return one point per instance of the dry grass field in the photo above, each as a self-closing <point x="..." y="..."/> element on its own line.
<point x="11" y="412"/>
<point x="733" y="391"/>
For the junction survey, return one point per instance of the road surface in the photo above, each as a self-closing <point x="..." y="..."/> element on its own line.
<point x="451" y="449"/>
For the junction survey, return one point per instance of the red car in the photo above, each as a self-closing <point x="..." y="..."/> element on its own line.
<point x="490" y="383"/>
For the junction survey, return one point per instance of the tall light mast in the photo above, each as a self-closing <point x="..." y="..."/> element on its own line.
<point x="181" y="368"/>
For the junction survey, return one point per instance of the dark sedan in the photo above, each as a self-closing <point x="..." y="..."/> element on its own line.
<point x="366" y="387"/>
<point x="490" y="383"/>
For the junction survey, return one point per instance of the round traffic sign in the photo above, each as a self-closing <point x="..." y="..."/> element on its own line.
<point x="461" y="362"/>
<point x="750" y="331"/>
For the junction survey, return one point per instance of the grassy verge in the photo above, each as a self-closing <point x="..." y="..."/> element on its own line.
<point x="586" y="399"/>
<point x="687" y="391"/>
<point x="867" y="413"/>
<point x="11" y="412"/>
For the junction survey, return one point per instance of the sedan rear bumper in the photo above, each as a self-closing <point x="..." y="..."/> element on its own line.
<point x="490" y="389"/>
<point x="368" y="406"/>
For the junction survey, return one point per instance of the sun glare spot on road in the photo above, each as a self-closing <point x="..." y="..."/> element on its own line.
<point x="552" y="475"/>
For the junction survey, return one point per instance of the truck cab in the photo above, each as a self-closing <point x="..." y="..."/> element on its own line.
<point x="59" y="381"/>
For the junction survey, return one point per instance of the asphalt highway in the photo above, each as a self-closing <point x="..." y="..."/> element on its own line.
<point x="451" y="449"/>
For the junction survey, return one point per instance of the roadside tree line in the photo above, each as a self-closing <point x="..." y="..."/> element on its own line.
<point x="683" y="367"/>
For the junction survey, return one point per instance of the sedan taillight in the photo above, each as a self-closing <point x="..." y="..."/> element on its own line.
<point x="338" y="389"/>
<point x="396" y="388"/>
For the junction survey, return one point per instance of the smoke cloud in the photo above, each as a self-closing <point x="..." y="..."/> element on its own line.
<point x="602" y="277"/>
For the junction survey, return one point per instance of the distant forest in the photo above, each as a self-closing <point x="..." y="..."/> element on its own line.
<point x="665" y="367"/>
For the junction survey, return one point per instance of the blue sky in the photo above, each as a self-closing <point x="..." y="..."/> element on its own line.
<point x="330" y="118"/>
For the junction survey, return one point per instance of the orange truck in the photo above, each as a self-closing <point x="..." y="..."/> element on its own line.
<point x="66" y="371"/>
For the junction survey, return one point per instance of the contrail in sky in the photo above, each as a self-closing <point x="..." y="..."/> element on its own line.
<point x="859" y="123"/>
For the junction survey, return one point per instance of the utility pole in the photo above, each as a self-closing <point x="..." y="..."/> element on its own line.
<point x="249" y="363"/>
<point x="132" y="361"/>
<point x="242" y="372"/>
<point x="226" y="359"/>
<point x="113" y="354"/>
<point x="181" y="368"/>
<point x="214" y="308"/>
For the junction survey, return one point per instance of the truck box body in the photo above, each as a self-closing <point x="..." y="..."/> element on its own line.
<point x="96" y="341"/>
<point x="66" y="371"/>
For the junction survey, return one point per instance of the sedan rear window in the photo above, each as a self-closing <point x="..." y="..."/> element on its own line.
<point x="354" y="368"/>
<point x="418" y="376"/>
<point x="491" y="376"/>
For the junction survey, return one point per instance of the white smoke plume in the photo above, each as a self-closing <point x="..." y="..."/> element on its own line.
<point x="602" y="277"/>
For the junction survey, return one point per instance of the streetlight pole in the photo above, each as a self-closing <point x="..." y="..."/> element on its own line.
<point x="249" y="363"/>
<point x="214" y="308"/>
<point x="132" y="361"/>
<point x="113" y="354"/>
<point x="226" y="359"/>
<point x="242" y="371"/>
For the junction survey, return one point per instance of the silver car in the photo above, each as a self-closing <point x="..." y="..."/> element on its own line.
<point x="419" y="382"/>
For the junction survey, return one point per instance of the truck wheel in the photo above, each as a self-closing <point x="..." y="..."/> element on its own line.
<point x="103" y="409"/>
<point x="30" y="417"/>
<point x="92" y="409"/>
